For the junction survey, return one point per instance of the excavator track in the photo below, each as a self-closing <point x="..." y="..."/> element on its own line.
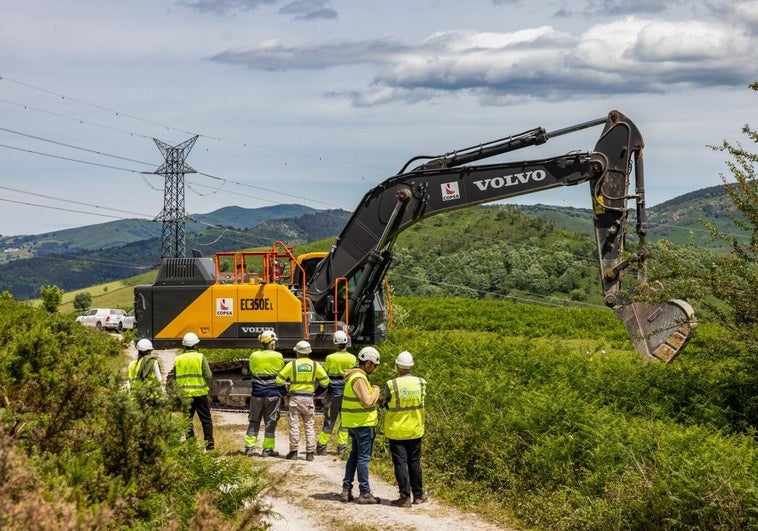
<point x="231" y="387"/>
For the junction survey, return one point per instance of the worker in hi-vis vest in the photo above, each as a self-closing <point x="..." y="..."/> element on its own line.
<point x="403" y="399"/>
<point x="360" y="417"/>
<point x="304" y="376"/>
<point x="192" y="376"/>
<point x="335" y="365"/>
<point x="266" y="396"/>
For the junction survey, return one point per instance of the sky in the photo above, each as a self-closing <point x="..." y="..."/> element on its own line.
<point x="317" y="101"/>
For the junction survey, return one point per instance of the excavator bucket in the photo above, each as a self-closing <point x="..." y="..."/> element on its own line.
<point x="659" y="330"/>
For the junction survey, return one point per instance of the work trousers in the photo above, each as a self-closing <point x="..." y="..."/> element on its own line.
<point x="332" y="407"/>
<point x="302" y="407"/>
<point x="202" y="407"/>
<point x="406" y="458"/>
<point x="362" y="445"/>
<point x="267" y="409"/>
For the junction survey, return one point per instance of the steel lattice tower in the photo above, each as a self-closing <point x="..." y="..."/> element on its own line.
<point x="173" y="215"/>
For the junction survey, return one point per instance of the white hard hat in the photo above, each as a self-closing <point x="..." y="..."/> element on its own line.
<point x="369" y="354"/>
<point x="267" y="336"/>
<point x="303" y="347"/>
<point x="404" y="359"/>
<point x="190" y="339"/>
<point x="144" y="344"/>
<point x="340" y="338"/>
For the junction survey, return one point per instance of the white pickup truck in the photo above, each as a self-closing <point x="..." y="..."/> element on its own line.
<point x="103" y="318"/>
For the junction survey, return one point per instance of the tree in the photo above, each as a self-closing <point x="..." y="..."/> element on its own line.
<point x="725" y="286"/>
<point x="83" y="301"/>
<point x="51" y="296"/>
<point x="734" y="278"/>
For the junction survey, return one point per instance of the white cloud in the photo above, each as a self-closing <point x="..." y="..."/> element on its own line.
<point x="328" y="98"/>
<point x="746" y="11"/>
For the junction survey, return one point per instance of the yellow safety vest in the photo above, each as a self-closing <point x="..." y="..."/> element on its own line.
<point x="188" y="372"/>
<point x="132" y="374"/>
<point x="304" y="375"/>
<point x="353" y="413"/>
<point x="335" y="365"/>
<point x="405" y="408"/>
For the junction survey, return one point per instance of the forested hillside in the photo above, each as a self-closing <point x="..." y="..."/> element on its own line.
<point x="679" y="220"/>
<point x="496" y="252"/>
<point x="125" y="231"/>
<point x="23" y="278"/>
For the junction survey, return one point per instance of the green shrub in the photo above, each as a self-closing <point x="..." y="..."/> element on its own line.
<point x="564" y="430"/>
<point x="100" y="451"/>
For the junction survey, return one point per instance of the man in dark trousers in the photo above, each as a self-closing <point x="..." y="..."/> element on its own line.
<point x="403" y="399"/>
<point x="360" y="417"/>
<point x="192" y="378"/>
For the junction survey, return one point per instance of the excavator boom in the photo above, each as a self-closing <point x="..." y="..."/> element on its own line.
<point x="363" y="249"/>
<point x="228" y="301"/>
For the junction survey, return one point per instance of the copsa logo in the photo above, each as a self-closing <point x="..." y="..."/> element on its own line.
<point x="224" y="306"/>
<point x="450" y="191"/>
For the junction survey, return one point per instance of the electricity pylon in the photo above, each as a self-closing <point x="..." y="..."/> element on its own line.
<point x="173" y="215"/>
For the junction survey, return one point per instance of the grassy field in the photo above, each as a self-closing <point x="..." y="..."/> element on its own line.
<point x="548" y="417"/>
<point x="116" y="294"/>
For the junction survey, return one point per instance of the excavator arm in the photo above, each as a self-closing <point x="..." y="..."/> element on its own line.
<point x="362" y="251"/>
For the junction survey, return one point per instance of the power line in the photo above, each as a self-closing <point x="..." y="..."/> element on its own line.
<point x="165" y="126"/>
<point x="72" y="146"/>
<point x="87" y="104"/>
<point x="79" y="259"/>
<point x="270" y="190"/>
<point x="69" y="159"/>
<point x="73" y="201"/>
<point x="73" y="118"/>
<point x="215" y="177"/>
<point x="25" y="203"/>
<point x="558" y="301"/>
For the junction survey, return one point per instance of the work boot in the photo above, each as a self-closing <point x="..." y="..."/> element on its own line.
<point x="420" y="499"/>
<point x="367" y="499"/>
<point x="321" y="449"/>
<point x="346" y="496"/>
<point x="292" y="455"/>
<point x="249" y="450"/>
<point x="268" y="452"/>
<point x="402" y="501"/>
<point x="341" y="448"/>
<point x="309" y="456"/>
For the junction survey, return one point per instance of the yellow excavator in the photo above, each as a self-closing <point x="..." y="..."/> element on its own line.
<point x="230" y="299"/>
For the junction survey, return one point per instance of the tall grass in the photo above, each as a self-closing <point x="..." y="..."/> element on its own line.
<point x="568" y="428"/>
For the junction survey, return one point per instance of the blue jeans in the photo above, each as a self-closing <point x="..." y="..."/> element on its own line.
<point x="362" y="444"/>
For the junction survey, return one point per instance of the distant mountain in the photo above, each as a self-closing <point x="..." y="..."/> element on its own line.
<point x="247" y="218"/>
<point x="676" y="220"/>
<point x="73" y="270"/>
<point x="81" y="257"/>
<point x="680" y="218"/>
<point x="122" y="232"/>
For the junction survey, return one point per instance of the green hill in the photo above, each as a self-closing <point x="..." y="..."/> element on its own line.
<point x="519" y="252"/>
<point x="677" y="220"/>
<point x="496" y="252"/>
<point x="72" y="271"/>
<point x="125" y="231"/>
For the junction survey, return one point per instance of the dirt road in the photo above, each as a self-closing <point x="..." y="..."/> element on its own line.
<point x="306" y="494"/>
